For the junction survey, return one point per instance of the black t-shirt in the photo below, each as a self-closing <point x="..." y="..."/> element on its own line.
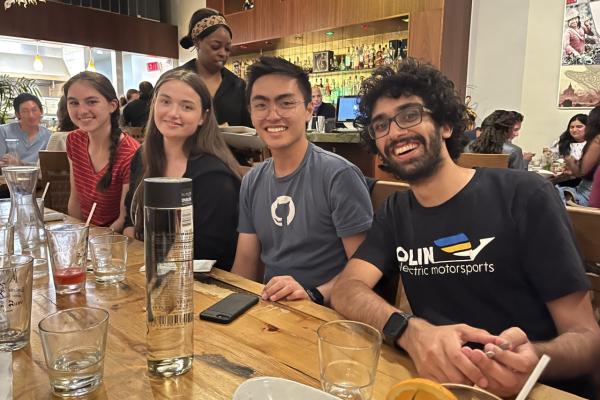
<point x="491" y="257"/>
<point x="215" y="197"/>
<point x="229" y="101"/>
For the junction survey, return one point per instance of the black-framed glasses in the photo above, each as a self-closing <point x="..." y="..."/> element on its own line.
<point x="406" y="118"/>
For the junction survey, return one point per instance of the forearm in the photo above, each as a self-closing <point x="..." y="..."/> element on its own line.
<point x="73" y="208"/>
<point x="247" y="268"/>
<point x="572" y="353"/>
<point x="357" y="301"/>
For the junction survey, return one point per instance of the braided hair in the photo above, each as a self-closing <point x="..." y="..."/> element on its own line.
<point x="106" y="89"/>
<point x="495" y="130"/>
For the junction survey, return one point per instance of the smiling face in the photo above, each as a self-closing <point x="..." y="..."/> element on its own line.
<point x="577" y="131"/>
<point x="178" y="110"/>
<point x="29" y="115"/>
<point x="88" y="109"/>
<point x="415" y="153"/>
<point x="278" y="111"/>
<point x="214" y="49"/>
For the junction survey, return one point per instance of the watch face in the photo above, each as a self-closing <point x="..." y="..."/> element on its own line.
<point x="395" y="327"/>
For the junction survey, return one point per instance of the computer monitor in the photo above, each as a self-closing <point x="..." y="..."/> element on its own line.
<point x="347" y="109"/>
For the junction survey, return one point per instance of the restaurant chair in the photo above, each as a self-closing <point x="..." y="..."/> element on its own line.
<point x="586" y="226"/>
<point x="472" y="160"/>
<point x="55" y="169"/>
<point x="382" y="189"/>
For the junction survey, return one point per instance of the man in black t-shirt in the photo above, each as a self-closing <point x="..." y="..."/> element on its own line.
<point x="486" y="256"/>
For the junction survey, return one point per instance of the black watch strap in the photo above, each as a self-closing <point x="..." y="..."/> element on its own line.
<point x="315" y="295"/>
<point x="395" y="327"/>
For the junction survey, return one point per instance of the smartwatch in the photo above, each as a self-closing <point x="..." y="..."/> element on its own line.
<point x="315" y="295"/>
<point x="395" y="327"/>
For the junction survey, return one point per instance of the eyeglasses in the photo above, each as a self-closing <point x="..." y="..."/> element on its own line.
<point x="283" y="107"/>
<point x="406" y="118"/>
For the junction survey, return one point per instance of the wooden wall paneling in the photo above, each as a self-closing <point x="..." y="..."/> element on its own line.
<point x="216" y="4"/>
<point x="63" y="23"/>
<point x="424" y="36"/>
<point x="455" y="42"/>
<point x="280" y="18"/>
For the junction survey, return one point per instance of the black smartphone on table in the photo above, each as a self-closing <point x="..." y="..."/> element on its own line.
<point x="229" y="308"/>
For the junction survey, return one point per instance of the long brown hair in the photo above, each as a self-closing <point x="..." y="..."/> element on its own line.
<point x="106" y="89"/>
<point x="206" y="140"/>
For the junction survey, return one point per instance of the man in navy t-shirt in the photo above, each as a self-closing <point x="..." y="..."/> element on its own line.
<point x="486" y="256"/>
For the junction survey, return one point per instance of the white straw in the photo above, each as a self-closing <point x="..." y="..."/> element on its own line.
<point x="535" y="375"/>
<point x="87" y="223"/>
<point x="45" y="190"/>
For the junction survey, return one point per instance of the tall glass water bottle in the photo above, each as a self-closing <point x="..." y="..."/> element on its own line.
<point x="26" y="216"/>
<point x="169" y="248"/>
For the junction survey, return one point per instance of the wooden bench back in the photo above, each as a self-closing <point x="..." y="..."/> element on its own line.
<point x="472" y="160"/>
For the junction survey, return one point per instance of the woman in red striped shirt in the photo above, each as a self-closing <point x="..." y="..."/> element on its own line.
<point x="99" y="152"/>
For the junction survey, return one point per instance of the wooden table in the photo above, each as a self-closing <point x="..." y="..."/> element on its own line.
<point x="271" y="339"/>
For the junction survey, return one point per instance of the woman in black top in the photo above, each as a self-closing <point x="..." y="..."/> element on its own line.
<point x="210" y="35"/>
<point x="182" y="140"/>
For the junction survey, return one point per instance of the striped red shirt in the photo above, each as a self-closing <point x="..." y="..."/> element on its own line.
<point x="86" y="178"/>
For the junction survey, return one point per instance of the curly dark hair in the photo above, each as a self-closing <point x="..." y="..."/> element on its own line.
<point x="565" y="139"/>
<point x="414" y="78"/>
<point x="495" y="130"/>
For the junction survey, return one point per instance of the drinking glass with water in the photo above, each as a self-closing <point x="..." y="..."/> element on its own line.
<point x="74" y="344"/>
<point x="348" y="356"/>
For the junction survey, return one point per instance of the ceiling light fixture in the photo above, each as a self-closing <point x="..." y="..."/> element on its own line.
<point x="38" y="65"/>
<point x="91" y="67"/>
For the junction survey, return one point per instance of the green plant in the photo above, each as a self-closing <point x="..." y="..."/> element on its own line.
<point x="11" y="88"/>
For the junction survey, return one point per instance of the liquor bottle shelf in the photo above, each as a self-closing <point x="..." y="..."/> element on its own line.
<point x="344" y="72"/>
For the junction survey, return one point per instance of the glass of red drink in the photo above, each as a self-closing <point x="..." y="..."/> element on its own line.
<point x="67" y="244"/>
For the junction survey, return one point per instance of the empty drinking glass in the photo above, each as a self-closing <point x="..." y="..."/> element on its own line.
<point x="74" y="343"/>
<point x="321" y="124"/>
<point x="109" y="257"/>
<point x="348" y="356"/>
<point x="16" y="277"/>
<point x="67" y="244"/>
<point x="12" y="151"/>
<point x="93" y="232"/>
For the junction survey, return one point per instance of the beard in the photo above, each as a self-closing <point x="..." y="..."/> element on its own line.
<point x="420" y="168"/>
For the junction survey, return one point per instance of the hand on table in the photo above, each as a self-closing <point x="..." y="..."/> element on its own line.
<point x="506" y="372"/>
<point x="436" y="351"/>
<point x="283" y="288"/>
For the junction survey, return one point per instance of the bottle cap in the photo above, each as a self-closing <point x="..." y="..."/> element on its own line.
<point x="164" y="192"/>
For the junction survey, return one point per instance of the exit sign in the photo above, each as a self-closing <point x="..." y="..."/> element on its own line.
<point x="153" y="66"/>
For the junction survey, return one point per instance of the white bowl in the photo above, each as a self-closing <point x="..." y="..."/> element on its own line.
<point x="271" y="388"/>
